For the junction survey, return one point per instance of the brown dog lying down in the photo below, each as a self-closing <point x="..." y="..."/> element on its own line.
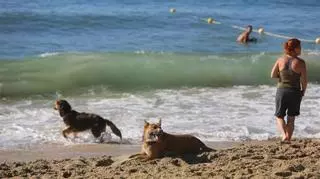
<point x="77" y="122"/>
<point x="156" y="143"/>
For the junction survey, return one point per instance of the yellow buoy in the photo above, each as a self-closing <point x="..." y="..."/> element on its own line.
<point x="261" y="30"/>
<point x="172" y="10"/>
<point x="210" y="20"/>
<point x="318" y="40"/>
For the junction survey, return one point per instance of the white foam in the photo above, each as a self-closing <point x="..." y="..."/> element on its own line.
<point x="212" y="114"/>
<point x="312" y="52"/>
<point x="140" y="52"/>
<point x="151" y="52"/>
<point x="48" y="54"/>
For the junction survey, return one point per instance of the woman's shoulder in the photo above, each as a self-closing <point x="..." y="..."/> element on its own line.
<point x="281" y="58"/>
<point x="300" y="61"/>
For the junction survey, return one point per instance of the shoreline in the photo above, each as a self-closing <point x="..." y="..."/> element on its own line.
<point x="250" y="159"/>
<point x="53" y="151"/>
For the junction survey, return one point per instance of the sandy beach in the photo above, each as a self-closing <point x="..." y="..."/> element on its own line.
<point x="253" y="159"/>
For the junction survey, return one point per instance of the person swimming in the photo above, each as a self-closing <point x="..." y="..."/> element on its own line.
<point x="244" y="36"/>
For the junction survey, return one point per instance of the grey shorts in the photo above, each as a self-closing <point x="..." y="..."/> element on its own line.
<point x="288" y="102"/>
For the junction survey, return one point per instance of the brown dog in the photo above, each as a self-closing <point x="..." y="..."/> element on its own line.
<point x="156" y="143"/>
<point x="77" y="122"/>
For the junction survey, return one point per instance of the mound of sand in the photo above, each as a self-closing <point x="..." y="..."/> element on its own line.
<point x="267" y="159"/>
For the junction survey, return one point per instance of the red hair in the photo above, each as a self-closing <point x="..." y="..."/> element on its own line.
<point x="290" y="46"/>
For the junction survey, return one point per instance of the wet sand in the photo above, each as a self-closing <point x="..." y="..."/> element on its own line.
<point x="253" y="159"/>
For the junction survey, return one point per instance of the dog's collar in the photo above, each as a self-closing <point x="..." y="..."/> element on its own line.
<point x="160" y="133"/>
<point x="63" y="113"/>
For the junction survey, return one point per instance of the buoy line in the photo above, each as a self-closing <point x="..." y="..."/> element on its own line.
<point x="262" y="31"/>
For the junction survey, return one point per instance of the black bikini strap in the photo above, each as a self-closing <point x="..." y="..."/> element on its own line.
<point x="288" y="64"/>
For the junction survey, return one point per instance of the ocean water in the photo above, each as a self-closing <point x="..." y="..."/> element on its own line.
<point x="132" y="61"/>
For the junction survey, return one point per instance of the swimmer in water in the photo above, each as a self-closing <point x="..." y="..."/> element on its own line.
<point x="244" y="36"/>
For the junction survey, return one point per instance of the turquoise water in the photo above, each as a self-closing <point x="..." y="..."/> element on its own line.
<point x="78" y="73"/>
<point x="132" y="45"/>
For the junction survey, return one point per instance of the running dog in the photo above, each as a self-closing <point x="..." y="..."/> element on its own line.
<point x="156" y="143"/>
<point x="78" y="122"/>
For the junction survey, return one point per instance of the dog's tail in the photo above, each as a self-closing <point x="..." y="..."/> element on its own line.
<point x="114" y="128"/>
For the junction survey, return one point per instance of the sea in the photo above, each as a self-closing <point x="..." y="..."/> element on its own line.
<point x="133" y="61"/>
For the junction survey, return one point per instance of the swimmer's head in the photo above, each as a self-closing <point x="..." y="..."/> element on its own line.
<point x="249" y="28"/>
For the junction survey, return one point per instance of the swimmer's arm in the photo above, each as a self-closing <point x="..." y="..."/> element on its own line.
<point x="275" y="70"/>
<point x="304" y="78"/>
<point x="242" y="38"/>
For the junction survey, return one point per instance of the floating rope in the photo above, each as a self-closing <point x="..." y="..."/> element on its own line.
<point x="261" y="31"/>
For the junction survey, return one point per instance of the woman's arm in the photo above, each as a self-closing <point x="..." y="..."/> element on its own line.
<point x="275" y="70"/>
<point x="303" y="77"/>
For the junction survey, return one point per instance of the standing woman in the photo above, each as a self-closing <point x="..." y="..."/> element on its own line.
<point x="292" y="74"/>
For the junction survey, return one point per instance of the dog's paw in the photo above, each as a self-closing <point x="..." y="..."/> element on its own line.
<point x="101" y="139"/>
<point x="134" y="155"/>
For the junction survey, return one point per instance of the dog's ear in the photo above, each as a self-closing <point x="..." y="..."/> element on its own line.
<point x="159" y="123"/>
<point x="55" y="107"/>
<point x="64" y="105"/>
<point x="146" y="123"/>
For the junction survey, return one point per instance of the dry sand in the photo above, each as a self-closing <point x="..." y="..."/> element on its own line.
<point x="264" y="159"/>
